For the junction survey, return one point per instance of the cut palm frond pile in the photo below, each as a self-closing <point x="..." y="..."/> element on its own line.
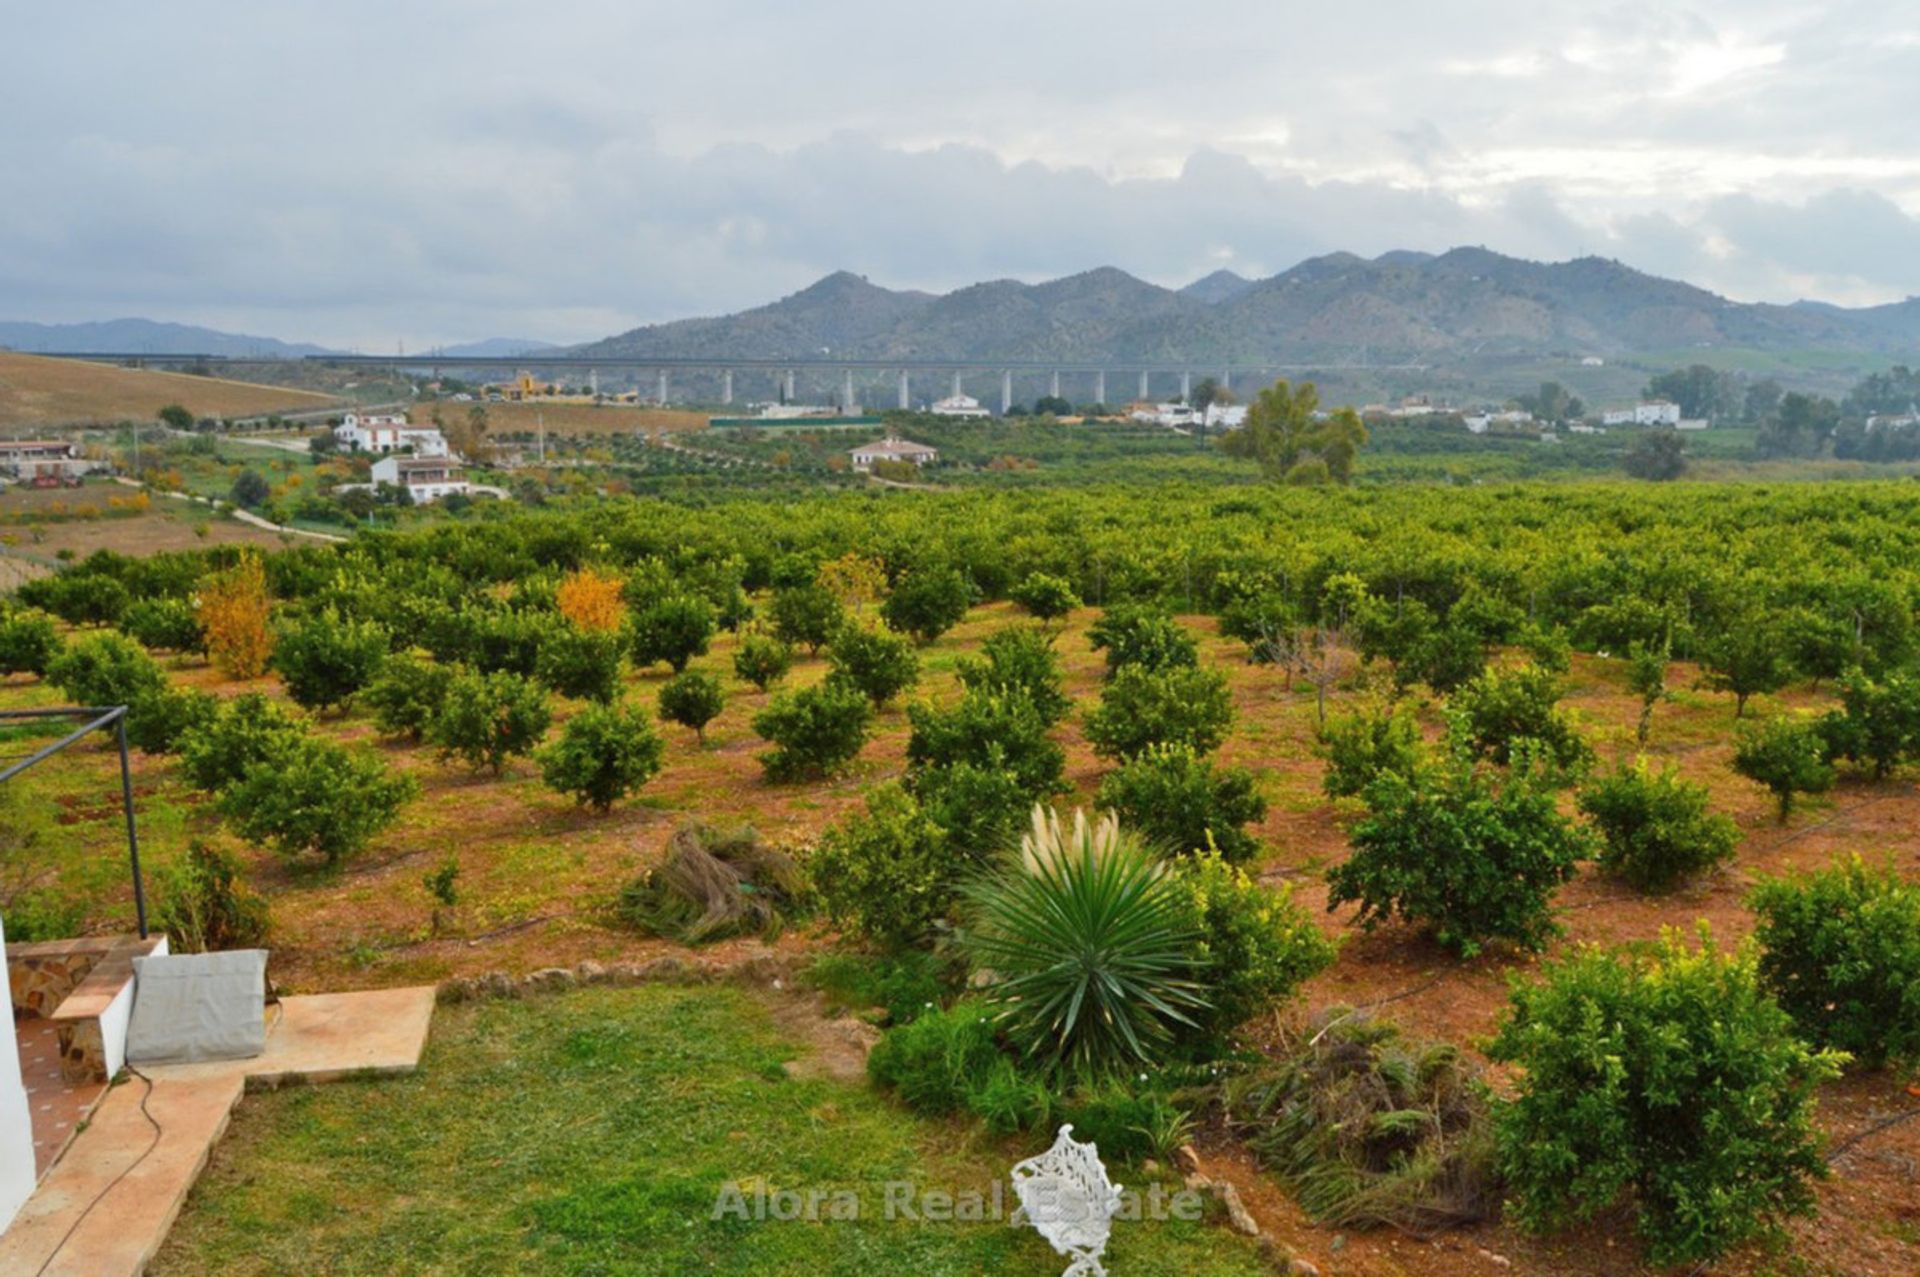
<point x="714" y="884"/>
<point x="1367" y="1128"/>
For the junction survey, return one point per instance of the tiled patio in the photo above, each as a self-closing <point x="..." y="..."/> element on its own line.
<point x="105" y="1205"/>
<point x="57" y="1105"/>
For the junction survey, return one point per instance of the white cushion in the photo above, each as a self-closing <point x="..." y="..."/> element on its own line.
<point x="198" y="1006"/>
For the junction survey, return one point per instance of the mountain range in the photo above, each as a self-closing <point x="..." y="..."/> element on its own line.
<point x="1398" y="307"/>
<point x="148" y="337"/>
<point x="145" y="337"/>
<point x="1339" y="309"/>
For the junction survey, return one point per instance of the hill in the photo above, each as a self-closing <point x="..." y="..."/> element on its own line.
<point x="47" y="392"/>
<point x="1402" y="306"/>
<point x="1222" y="285"/>
<point x="146" y="337"/>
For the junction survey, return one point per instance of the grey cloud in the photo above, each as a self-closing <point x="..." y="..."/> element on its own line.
<point x="360" y="172"/>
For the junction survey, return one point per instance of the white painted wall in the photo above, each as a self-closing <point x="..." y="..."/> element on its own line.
<point x="16" y="1123"/>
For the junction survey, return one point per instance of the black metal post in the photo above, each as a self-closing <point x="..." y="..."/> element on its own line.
<point x="133" y="839"/>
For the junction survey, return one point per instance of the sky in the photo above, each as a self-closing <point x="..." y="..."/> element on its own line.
<point x="423" y="171"/>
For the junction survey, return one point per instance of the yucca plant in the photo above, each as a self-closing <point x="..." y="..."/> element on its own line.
<point x="1087" y="957"/>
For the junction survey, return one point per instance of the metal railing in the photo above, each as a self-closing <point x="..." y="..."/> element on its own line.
<point x="97" y="719"/>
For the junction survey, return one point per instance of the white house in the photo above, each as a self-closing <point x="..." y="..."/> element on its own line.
<point x="1652" y="412"/>
<point x="31" y="459"/>
<point x="389" y="432"/>
<point x="958" y="406"/>
<point x="892" y="450"/>
<point x="426" y="479"/>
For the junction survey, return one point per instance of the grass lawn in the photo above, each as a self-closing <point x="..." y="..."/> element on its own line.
<point x="591" y="1132"/>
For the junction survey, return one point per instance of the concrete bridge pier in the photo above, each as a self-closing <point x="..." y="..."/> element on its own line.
<point x="1055" y="391"/>
<point x="661" y="389"/>
<point x="1186" y="387"/>
<point x="1143" y="383"/>
<point x="956" y="383"/>
<point x="846" y="390"/>
<point x="906" y="395"/>
<point x="786" y="387"/>
<point x="726" y="386"/>
<point x="1100" y="386"/>
<point x="1006" y="392"/>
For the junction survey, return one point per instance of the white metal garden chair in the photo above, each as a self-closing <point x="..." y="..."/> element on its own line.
<point x="1066" y="1195"/>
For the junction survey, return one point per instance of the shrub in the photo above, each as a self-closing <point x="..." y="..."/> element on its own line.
<point x="806" y="615"/>
<point x="1140" y="634"/>
<point x="674" y="630"/>
<point x="1128" y="1119"/>
<point x="165" y="720"/>
<point x="1655" y="829"/>
<point x="1750" y="656"/>
<point x="1142" y="708"/>
<point x="250" y="489"/>
<point x="203" y="906"/>
<point x="234" y="608"/>
<point x="906" y="984"/>
<point x="1257" y="947"/>
<point x="714" y="884"/>
<point x="80" y="597"/>
<point x="762" y="660"/>
<point x="1092" y="955"/>
<point x="1676" y="1077"/>
<point x="692" y="699"/>
<point x="324" y="659"/>
<point x="817" y="730"/>
<point x="1504" y="706"/>
<point x="313" y="797"/>
<point x="939" y="1059"/>
<point x="928" y="602"/>
<point x="488" y="718"/>
<point x="168" y="624"/>
<point x="28" y="642"/>
<point x="875" y="660"/>
<point x="1474" y="857"/>
<point x="1878" y="723"/>
<point x="1022" y="659"/>
<point x="982" y="806"/>
<point x="603" y="753"/>
<point x="1840" y="950"/>
<point x="217" y="753"/>
<point x="1360" y="746"/>
<point x="106" y="669"/>
<point x="998" y="732"/>
<point x="1045" y="597"/>
<point x="1788" y="756"/>
<point x="407" y="694"/>
<point x="580" y="662"/>
<point x="500" y="641"/>
<point x="1367" y="1128"/>
<point x="887" y="876"/>
<point x="1179" y="803"/>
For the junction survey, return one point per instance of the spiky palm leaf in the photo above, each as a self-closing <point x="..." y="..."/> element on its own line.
<point x="1090" y="962"/>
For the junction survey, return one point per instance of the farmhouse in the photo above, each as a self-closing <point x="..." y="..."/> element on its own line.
<point x="44" y="460"/>
<point x="425" y="479"/>
<point x="388" y="432"/>
<point x="1652" y="412"/>
<point x="958" y="406"/>
<point x="892" y="450"/>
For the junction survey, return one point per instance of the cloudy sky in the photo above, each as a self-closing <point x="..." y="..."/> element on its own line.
<point x="428" y="171"/>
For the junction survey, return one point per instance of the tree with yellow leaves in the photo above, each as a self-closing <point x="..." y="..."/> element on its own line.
<point x="591" y="600"/>
<point x="234" y="608"/>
